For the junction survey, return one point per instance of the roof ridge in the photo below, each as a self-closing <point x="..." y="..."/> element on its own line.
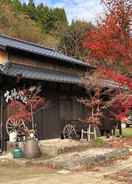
<point x="27" y="42"/>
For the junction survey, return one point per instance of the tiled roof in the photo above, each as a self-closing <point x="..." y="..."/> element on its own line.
<point x="39" y="74"/>
<point x="9" y="42"/>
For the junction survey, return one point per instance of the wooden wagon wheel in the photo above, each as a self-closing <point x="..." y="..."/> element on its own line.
<point x="18" y="126"/>
<point x="69" y="131"/>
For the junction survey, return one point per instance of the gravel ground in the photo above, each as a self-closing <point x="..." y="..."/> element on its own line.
<point x="40" y="175"/>
<point x="114" y="172"/>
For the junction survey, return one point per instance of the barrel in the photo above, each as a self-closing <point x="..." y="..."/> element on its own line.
<point x="31" y="149"/>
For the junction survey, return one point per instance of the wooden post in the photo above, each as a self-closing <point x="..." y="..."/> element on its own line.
<point x="89" y="133"/>
<point x="1" y="122"/>
<point x="82" y="134"/>
<point x="95" y="133"/>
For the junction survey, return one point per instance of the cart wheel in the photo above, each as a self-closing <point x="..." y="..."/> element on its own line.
<point x="69" y="132"/>
<point x="12" y="125"/>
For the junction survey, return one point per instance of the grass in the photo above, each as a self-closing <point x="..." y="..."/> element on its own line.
<point x="127" y="132"/>
<point x="99" y="142"/>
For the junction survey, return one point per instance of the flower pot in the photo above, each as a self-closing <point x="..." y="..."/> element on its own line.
<point x="31" y="149"/>
<point x="17" y="153"/>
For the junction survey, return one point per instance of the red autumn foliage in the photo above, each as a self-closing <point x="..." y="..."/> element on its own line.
<point x="110" y="44"/>
<point x="24" y="115"/>
<point x="121" y="105"/>
<point x="122" y="80"/>
<point x="93" y="106"/>
<point x="23" y="110"/>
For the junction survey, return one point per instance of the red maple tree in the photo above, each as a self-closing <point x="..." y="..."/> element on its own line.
<point x="110" y="48"/>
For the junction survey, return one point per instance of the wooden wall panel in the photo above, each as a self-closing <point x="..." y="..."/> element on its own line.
<point x="51" y="120"/>
<point x="43" y="63"/>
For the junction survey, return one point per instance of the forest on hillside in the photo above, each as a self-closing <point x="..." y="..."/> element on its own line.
<point x="44" y="25"/>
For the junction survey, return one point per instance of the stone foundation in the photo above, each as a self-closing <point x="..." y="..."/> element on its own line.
<point x="55" y="147"/>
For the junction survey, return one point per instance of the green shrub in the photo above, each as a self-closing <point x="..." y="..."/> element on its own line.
<point x="99" y="142"/>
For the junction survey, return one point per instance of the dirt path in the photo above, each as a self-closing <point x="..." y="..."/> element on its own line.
<point x="40" y="175"/>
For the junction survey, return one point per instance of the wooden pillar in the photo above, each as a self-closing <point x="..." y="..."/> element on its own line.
<point x="1" y="122"/>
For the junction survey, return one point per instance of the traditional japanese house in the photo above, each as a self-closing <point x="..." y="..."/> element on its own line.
<point x="23" y="64"/>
